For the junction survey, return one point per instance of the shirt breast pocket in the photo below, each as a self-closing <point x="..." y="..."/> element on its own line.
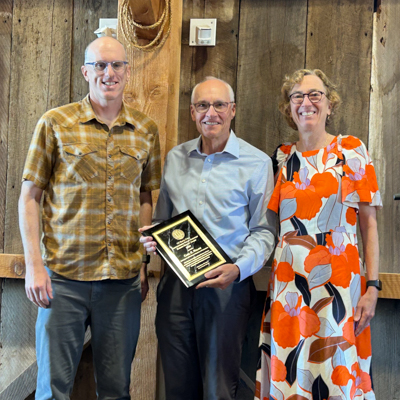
<point x="131" y="162"/>
<point x="80" y="159"/>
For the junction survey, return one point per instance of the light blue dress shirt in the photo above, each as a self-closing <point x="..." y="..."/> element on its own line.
<point x="228" y="192"/>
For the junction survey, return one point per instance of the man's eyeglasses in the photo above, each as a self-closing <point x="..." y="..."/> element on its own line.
<point x="100" y="66"/>
<point x="219" y="106"/>
<point x="314" y="96"/>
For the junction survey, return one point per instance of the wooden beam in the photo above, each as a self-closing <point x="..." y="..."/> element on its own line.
<point x="146" y="12"/>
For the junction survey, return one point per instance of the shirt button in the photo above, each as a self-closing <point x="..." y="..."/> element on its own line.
<point x="109" y="199"/>
<point x="203" y="180"/>
<point x="200" y="202"/>
<point x="109" y="156"/>
<point x="110" y="177"/>
<point x="208" y="160"/>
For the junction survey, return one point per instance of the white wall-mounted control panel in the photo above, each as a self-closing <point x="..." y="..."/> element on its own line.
<point x="203" y="31"/>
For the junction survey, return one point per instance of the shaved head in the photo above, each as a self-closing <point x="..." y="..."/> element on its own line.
<point x="103" y="42"/>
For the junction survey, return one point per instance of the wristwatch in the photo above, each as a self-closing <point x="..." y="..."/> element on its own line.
<point x="377" y="283"/>
<point x="146" y="258"/>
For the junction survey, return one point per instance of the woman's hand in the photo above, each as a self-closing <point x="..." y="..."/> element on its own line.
<point x="365" y="309"/>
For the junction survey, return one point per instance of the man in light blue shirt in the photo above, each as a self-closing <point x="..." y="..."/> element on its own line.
<point x="227" y="184"/>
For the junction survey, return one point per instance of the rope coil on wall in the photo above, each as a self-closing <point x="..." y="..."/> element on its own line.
<point x="129" y="26"/>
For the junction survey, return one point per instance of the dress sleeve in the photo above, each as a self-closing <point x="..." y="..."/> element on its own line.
<point x="359" y="183"/>
<point x="279" y="157"/>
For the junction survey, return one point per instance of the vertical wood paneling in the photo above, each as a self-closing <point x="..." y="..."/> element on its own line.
<point x="271" y="44"/>
<point x="40" y="79"/>
<point x="5" y="72"/>
<point x="86" y="21"/>
<point x="339" y="41"/>
<point x="384" y="139"/>
<point x="385" y="330"/>
<point x="198" y="62"/>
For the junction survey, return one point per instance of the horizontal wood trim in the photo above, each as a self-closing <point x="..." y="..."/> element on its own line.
<point x="390" y="286"/>
<point x="390" y="283"/>
<point x="12" y="266"/>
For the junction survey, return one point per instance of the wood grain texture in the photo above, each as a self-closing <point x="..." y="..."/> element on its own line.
<point x="86" y="21"/>
<point x="198" y="62"/>
<point x="143" y="375"/>
<point x="40" y="79"/>
<point x="146" y="12"/>
<point x="12" y="266"/>
<point x="17" y="355"/>
<point x="42" y="47"/>
<point x="5" y="71"/>
<point x="271" y="44"/>
<point x="385" y="331"/>
<point x="384" y="140"/>
<point x="339" y="41"/>
<point x="390" y="286"/>
<point x="153" y="85"/>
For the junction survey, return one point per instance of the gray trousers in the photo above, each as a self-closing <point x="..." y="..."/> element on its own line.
<point x="112" y="309"/>
<point x="200" y="334"/>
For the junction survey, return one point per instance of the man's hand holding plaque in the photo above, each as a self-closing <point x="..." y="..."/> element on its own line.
<point x="190" y="251"/>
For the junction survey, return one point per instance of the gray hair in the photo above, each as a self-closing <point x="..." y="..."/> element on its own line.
<point x="210" y="78"/>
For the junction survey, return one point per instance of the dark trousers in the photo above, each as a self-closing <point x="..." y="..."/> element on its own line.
<point x="200" y="334"/>
<point x="112" y="309"/>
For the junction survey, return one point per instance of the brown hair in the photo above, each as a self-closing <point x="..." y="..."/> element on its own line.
<point x="331" y="94"/>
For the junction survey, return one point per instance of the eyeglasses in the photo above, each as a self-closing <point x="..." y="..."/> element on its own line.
<point x="101" y="66"/>
<point x="219" y="106"/>
<point x="314" y="96"/>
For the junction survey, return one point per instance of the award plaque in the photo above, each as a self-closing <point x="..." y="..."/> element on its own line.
<point x="187" y="247"/>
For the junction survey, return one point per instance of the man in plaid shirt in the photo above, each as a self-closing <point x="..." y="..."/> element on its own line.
<point x="96" y="162"/>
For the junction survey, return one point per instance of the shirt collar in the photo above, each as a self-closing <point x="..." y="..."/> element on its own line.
<point x="88" y="114"/>
<point x="232" y="146"/>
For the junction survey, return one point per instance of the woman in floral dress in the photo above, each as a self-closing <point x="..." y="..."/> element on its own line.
<point x="315" y="336"/>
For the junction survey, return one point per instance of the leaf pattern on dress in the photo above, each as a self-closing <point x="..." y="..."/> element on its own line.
<point x="329" y="217"/>
<point x="319" y="275"/>
<point x="326" y="329"/>
<point x="306" y="241"/>
<point x="291" y="363"/>
<point x="287" y="208"/>
<point x="320" y="304"/>
<point x="305" y="379"/>
<point x="320" y="390"/>
<point x="324" y="349"/>
<point x="338" y="308"/>
<point x="302" y="285"/>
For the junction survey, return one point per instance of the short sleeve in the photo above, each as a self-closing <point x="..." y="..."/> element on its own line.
<point x="359" y="183"/>
<point x="40" y="159"/>
<point x="279" y="157"/>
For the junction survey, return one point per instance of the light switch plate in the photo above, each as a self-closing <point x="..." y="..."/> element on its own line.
<point x="202" y="22"/>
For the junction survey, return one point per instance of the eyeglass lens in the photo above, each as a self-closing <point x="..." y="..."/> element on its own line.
<point x="102" y="65"/>
<point x="314" y="97"/>
<point x="203" y="107"/>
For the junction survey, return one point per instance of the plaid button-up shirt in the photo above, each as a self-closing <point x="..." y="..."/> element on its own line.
<point x="92" y="177"/>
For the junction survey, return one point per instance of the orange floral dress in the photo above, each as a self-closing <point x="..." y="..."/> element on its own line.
<point x="308" y="346"/>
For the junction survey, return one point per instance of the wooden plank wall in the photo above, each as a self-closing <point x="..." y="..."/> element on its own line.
<point x="42" y="44"/>
<point x="276" y="37"/>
